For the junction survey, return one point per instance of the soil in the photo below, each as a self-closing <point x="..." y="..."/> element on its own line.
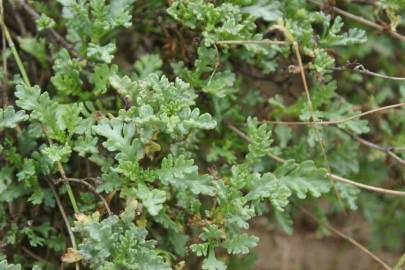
<point x="304" y="250"/>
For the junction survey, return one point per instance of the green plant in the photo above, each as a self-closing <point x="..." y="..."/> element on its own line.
<point x="141" y="126"/>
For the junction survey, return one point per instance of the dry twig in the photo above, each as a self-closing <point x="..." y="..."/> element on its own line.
<point x="362" y="20"/>
<point x="349" y="239"/>
<point x="89" y="186"/>
<point x="340" y="121"/>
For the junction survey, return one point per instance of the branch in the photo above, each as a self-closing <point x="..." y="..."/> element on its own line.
<point x="244" y="42"/>
<point x="64" y="216"/>
<point x="386" y="150"/>
<point x="361" y="69"/>
<point x="362" y="20"/>
<point x="331" y="175"/>
<point x="89" y="186"/>
<point x="335" y="122"/>
<point x="58" y="38"/>
<point x="349" y="239"/>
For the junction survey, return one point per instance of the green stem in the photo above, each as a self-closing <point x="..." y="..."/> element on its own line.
<point x="72" y="197"/>
<point x="15" y="54"/>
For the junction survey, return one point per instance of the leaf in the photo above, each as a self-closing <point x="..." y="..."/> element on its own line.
<point x="44" y="22"/>
<point x="240" y="243"/>
<point x="303" y="178"/>
<point x="27" y="97"/>
<point x="221" y="84"/>
<point x="400" y="263"/>
<point x="101" y="53"/>
<point x="5" y="266"/>
<point x="269" y="12"/>
<point x="71" y="256"/>
<point x="152" y="199"/>
<point x="36" y="48"/>
<point x="146" y="65"/>
<point x="260" y="138"/>
<point x="349" y="194"/>
<point x="182" y="173"/>
<point x="57" y="153"/>
<point x="268" y="186"/>
<point x="9" y="118"/>
<point x="120" y="137"/>
<point x="212" y="263"/>
<point x="101" y="76"/>
<point x="67" y="74"/>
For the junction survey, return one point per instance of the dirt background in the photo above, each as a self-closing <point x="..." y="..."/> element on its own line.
<point x="304" y="250"/>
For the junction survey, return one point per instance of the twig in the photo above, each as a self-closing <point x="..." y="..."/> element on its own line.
<point x="244" y="42"/>
<point x="35" y="256"/>
<point x="54" y="34"/>
<point x="89" y="186"/>
<point x="361" y="69"/>
<point x="386" y="150"/>
<point x="4" y="56"/>
<point x="335" y="122"/>
<point x="64" y="216"/>
<point x="311" y="111"/>
<point x="349" y="239"/>
<point x="331" y="175"/>
<point x="362" y="20"/>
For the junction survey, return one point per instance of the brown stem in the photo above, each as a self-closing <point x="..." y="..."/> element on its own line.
<point x="349" y="239"/>
<point x="81" y="181"/>
<point x="335" y="122"/>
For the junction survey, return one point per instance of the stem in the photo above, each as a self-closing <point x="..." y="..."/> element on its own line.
<point x="15" y="53"/>
<point x="348" y="238"/>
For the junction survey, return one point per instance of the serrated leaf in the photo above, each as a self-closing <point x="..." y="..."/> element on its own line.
<point x="9" y="118"/>
<point x="57" y="153"/>
<point x="268" y="11"/>
<point x="240" y="243"/>
<point x="304" y="178"/>
<point x="212" y="263"/>
<point x="152" y="199"/>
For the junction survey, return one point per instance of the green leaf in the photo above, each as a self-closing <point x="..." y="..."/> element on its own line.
<point x="44" y="22"/>
<point x="152" y="199"/>
<point x="183" y="174"/>
<point x="120" y="137"/>
<point x="5" y="266"/>
<point x="101" y="76"/>
<point x="268" y="186"/>
<point x="36" y="48"/>
<point x="146" y="65"/>
<point x="9" y="118"/>
<point x="240" y="243"/>
<point x="260" y="138"/>
<point x="304" y="178"/>
<point x="221" y="84"/>
<point x="349" y="194"/>
<point x="212" y="263"/>
<point x="101" y="53"/>
<point x="57" y="153"/>
<point x="269" y="12"/>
